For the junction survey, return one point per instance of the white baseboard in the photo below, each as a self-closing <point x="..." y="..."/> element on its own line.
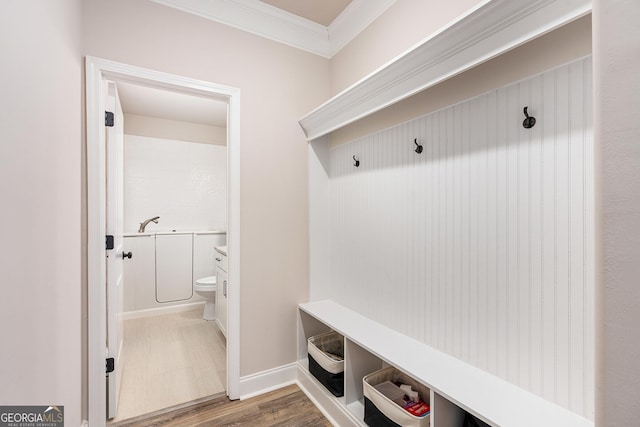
<point x="161" y="310"/>
<point x="328" y="404"/>
<point x="294" y="373"/>
<point x="266" y="381"/>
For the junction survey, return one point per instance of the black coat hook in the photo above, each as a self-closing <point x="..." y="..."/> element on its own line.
<point x="418" y="146"/>
<point x="530" y="121"/>
<point x="357" y="162"/>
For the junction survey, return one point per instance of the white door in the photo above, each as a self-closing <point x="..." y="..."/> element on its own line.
<point x="115" y="256"/>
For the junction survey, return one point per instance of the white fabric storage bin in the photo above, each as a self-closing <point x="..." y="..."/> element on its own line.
<point x="395" y="414"/>
<point x="326" y="360"/>
<point x="328" y="350"/>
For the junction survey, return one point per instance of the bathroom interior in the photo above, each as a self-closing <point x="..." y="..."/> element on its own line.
<point x="174" y="272"/>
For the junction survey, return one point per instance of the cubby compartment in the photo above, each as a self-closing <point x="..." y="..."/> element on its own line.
<point x="446" y="413"/>
<point x="385" y="403"/>
<point x="358" y="364"/>
<point x="471" y="420"/>
<point x="326" y="360"/>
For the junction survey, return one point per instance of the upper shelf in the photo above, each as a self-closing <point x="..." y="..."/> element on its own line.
<point x="491" y="28"/>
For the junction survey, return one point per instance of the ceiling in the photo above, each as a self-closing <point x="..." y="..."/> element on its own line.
<point x="322" y="12"/>
<point x="164" y="104"/>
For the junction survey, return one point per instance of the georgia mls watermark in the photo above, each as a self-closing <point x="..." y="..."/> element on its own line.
<point x="32" y="416"/>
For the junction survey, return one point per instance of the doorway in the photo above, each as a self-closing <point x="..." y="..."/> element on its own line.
<point x="98" y="71"/>
<point x="174" y="206"/>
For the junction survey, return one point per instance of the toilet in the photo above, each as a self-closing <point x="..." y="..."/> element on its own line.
<point x="206" y="288"/>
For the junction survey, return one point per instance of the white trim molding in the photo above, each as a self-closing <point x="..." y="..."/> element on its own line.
<point x="97" y="71"/>
<point x="269" y="380"/>
<point x="353" y="20"/>
<point x="484" y="32"/>
<point x="278" y="25"/>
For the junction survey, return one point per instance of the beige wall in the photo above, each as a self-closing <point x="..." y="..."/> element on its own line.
<point x="617" y="138"/>
<point x="403" y="25"/>
<point x="551" y="50"/>
<point x="40" y="189"/>
<point x="278" y="85"/>
<point x="155" y="127"/>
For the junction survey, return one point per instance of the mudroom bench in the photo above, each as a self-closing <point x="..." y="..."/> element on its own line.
<point x="455" y="387"/>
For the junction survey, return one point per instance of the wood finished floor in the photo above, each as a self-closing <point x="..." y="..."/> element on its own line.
<point x="168" y="360"/>
<point x="286" y="407"/>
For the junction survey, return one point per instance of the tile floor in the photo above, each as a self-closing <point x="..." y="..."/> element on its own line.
<point x="168" y="360"/>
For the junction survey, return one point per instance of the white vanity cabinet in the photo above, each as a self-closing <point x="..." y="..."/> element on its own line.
<point x="221" y="291"/>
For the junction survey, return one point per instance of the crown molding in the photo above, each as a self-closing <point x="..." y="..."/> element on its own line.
<point x="353" y="20"/>
<point x="278" y="25"/>
<point x="260" y="19"/>
<point x="484" y="32"/>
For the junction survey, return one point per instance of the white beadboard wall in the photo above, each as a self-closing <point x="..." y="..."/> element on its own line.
<point x="185" y="183"/>
<point x="481" y="246"/>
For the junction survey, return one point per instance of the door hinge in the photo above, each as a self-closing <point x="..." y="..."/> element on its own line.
<point x="111" y="365"/>
<point x="109" y="242"/>
<point x="108" y="119"/>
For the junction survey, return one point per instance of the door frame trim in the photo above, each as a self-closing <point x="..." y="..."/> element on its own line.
<point x="97" y="70"/>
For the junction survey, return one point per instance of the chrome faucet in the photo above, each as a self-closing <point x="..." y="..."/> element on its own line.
<point x="144" y="224"/>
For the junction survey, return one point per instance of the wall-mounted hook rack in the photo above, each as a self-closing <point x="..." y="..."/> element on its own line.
<point x="529" y="121"/>
<point x="357" y="162"/>
<point x="418" y="146"/>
